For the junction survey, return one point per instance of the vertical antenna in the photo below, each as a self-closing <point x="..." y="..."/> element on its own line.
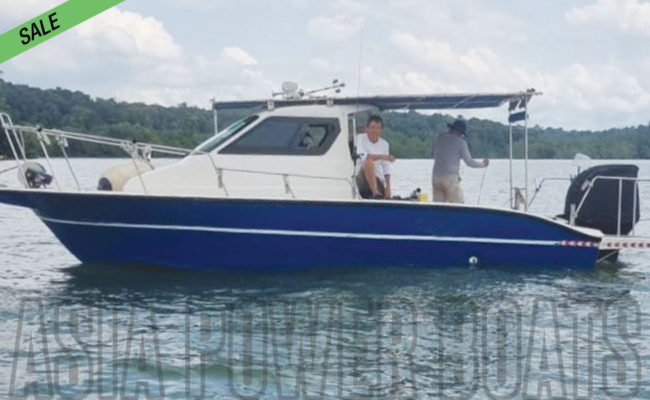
<point x="353" y="134"/>
<point x="359" y="67"/>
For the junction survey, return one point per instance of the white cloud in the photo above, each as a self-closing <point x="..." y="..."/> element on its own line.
<point x="479" y="22"/>
<point x="238" y="55"/>
<point x="591" y="78"/>
<point x="356" y="7"/>
<point x="197" y="79"/>
<point x="14" y="12"/>
<point x="578" y="95"/>
<point x="586" y="96"/>
<point x="137" y="59"/>
<point x="112" y="37"/>
<point x="335" y="28"/>
<point x="114" y="30"/>
<point x="627" y="15"/>
<point x="596" y="87"/>
<point x="440" y="55"/>
<point x="130" y="33"/>
<point x="375" y="82"/>
<point x="326" y="66"/>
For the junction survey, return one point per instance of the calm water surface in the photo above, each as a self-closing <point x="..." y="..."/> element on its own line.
<point x="93" y="331"/>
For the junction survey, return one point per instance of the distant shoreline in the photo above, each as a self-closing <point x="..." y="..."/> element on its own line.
<point x="409" y="133"/>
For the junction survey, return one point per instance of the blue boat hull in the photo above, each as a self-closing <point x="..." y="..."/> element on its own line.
<point x="203" y="233"/>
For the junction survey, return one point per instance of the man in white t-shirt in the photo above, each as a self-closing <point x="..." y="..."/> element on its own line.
<point x="373" y="179"/>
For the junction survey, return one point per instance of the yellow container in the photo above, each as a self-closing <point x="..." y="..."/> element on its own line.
<point x="423" y="197"/>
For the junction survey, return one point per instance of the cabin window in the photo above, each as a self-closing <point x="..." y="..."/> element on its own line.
<point x="221" y="137"/>
<point x="288" y="136"/>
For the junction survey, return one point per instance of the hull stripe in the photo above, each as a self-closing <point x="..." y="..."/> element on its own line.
<point x="277" y="232"/>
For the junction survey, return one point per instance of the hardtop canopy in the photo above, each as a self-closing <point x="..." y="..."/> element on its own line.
<point x="407" y="102"/>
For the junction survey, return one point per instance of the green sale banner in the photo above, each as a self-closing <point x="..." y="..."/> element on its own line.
<point x="49" y="24"/>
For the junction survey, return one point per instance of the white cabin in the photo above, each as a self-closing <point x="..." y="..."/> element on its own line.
<point x="298" y="147"/>
<point x="302" y="151"/>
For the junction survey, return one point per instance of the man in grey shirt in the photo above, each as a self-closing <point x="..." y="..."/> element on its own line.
<point x="448" y="149"/>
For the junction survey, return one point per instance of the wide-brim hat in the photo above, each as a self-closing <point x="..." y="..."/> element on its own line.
<point x="459" y="126"/>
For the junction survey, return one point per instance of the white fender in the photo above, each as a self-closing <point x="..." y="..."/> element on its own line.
<point x="118" y="175"/>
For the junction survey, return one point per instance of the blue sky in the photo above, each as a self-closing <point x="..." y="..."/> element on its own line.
<point x="589" y="57"/>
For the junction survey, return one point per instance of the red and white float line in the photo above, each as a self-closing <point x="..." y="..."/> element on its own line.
<point x="578" y="243"/>
<point x="618" y="243"/>
<point x="611" y="243"/>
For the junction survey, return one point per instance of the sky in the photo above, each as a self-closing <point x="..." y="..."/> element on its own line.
<point x="590" y="58"/>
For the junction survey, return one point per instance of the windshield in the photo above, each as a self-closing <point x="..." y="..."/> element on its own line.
<point x="288" y="136"/>
<point x="224" y="135"/>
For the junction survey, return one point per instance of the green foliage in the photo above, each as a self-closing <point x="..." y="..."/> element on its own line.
<point x="180" y="126"/>
<point x="3" y="101"/>
<point x="409" y="133"/>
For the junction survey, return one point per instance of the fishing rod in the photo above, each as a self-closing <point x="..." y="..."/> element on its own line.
<point x="480" y="190"/>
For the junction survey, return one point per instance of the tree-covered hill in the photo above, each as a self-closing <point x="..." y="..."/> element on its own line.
<point x="409" y="133"/>
<point x="410" y="136"/>
<point x="180" y="126"/>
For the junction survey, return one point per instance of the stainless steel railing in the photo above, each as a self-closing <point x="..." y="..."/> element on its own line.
<point x="588" y="186"/>
<point x="137" y="151"/>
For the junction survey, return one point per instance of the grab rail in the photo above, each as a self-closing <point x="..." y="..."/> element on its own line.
<point x="587" y="186"/>
<point x="136" y="150"/>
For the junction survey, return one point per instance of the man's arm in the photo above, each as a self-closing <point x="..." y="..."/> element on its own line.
<point x="467" y="157"/>
<point x="385" y="157"/>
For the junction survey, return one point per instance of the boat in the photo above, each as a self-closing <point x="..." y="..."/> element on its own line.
<point x="254" y="196"/>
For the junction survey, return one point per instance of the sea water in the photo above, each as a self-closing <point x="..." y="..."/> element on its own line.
<point x="91" y="331"/>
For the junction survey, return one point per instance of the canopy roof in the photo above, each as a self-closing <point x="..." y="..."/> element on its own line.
<point x="413" y="102"/>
